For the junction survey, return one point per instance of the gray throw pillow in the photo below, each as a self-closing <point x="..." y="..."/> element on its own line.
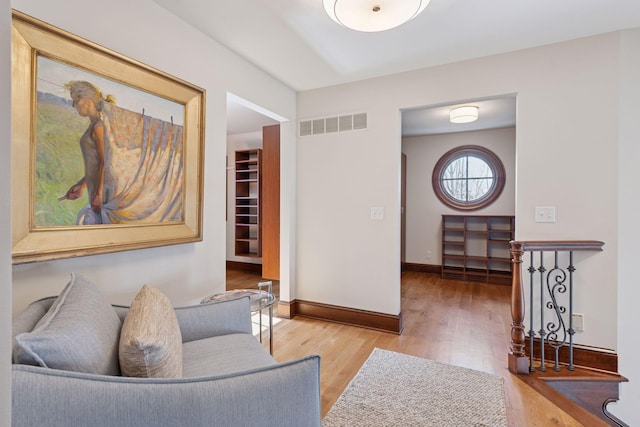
<point x="151" y="341"/>
<point x="79" y="333"/>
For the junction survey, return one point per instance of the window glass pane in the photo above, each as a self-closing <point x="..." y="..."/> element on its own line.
<point x="456" y="169"/>
<point x="456" y="188"/>
<point x="478" y="188"/>
<point x="478" y="168"/>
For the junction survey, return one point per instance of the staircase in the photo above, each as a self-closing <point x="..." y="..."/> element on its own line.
<point x="580" y="380"/>
<point x="582" y="393"/>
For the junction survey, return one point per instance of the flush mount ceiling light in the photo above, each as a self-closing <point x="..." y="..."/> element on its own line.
<point x="373" y="15"/>
<point x="466" y="114"/>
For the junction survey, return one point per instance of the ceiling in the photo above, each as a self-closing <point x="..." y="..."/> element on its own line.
<point x="492" y="114"/>
<point x="296" y="42"/>
<point x="243" y="118"/>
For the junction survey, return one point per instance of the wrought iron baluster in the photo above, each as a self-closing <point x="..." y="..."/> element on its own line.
<point x="542" y="332"/>
<point x="572" y="331"/>
<point x="532" y="332"/>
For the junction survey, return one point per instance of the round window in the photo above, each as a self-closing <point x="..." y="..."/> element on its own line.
<point x="468" y="177"/>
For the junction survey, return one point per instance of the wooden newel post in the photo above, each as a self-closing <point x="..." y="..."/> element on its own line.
<point x="518" y="361"/>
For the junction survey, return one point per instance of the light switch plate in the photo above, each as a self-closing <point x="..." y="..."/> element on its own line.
<point x="377" y="213"/>
<point x="545" y="214"/>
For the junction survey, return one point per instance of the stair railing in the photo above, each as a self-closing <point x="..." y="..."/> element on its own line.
<point x="547" y="283"/>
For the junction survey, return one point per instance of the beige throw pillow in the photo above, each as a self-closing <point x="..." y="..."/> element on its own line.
<point x="150" y="340"/>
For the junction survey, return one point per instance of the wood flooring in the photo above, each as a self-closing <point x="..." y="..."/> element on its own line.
<point x="461" y="323"/>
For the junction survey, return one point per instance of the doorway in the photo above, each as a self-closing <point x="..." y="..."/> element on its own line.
<point x="427" y="135"/>
<point x="253" y="189"/>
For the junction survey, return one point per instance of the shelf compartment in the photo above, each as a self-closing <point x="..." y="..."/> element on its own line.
<point x="476" y="258"/>
<point x="479" y="232"/>
<point x="500" y="223"/>
<point x="454" y="223"/>
<point x="454" y="264"/>
<point x="247" y="254"/>
<point x="503" y="263"/>
<point x="454" y="250"/>
<point x="454" y="273"/>
<point x="450" y="237"/>
<point x="475" y="223"/>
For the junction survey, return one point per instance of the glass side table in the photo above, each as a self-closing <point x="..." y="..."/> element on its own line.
<point x="260" y="299"/>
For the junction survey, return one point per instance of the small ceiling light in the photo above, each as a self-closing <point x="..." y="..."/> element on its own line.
<point x="373" y="15"/>
<point x="466" y="114"/>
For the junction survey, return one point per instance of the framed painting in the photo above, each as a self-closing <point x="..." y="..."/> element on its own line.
<point x="107" y="153"/>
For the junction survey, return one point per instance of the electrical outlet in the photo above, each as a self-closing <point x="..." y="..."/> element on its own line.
<point x="578" y="322"/>
<point x="428" y="254"/>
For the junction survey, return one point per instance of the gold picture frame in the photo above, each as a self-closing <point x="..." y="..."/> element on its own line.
<point x="36" y="44"/>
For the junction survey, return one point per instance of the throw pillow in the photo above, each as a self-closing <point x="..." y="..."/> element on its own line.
<point x="151" y="342"/>
<point x="79" y="333"/>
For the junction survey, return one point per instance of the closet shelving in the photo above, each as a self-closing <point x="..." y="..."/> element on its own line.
<point x="476" y="248"/>
<point x="248" y="228"/>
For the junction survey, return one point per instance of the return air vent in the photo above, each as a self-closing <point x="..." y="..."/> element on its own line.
<point x="318" y="126"/>
<point x="333" y="124"/>
<point x="305" y="128"/>
<point x="360" y="121"/>
<point x="346" y="123"/>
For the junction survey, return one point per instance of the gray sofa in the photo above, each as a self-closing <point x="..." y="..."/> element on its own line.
<point x="228" y="379"/>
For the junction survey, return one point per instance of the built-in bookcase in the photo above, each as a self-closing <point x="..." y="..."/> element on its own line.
<point x="248" y="228"/>
<point x="476" y="248"/>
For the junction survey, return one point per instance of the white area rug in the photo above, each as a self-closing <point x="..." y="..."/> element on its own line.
<point x="395" y="389"/>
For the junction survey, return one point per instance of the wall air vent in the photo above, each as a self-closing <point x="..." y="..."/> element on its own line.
<point x="346" y="123"/>
<point x="333" y="124"/>
<point x="305" y="128"/>
<point x="318" y="126"/>
<point x="360" y="121"/>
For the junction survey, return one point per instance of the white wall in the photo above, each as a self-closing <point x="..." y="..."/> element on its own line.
<point x="343" y="257"/>
<point x="566" y="157"/>
<point x="424" y="210"/>
<point x="628" y="208"/>
<point x="5" y="208"/>
<point x="241" y="141"/>
<point x="189" y="271"/>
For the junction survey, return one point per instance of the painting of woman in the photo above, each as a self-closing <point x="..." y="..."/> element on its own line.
<point x="88" y="100"/>
<point x="132" y="163"/>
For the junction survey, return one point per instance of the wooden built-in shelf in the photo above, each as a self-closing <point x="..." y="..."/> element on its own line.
<point x="476" y="248"/>
<point x="248" y="227"/>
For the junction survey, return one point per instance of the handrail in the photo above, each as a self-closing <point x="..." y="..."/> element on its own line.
<point x="518" y="361"/>
<point x="558" y="245"/>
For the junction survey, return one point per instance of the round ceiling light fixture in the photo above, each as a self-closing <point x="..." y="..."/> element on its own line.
<point x="465" y="114"/>
<point x="373" y="15"/>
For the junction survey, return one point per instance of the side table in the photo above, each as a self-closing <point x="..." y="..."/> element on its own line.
<point x="260" y="299"/>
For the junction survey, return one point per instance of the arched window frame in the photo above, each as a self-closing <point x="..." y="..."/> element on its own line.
<point x="492" y="160"/>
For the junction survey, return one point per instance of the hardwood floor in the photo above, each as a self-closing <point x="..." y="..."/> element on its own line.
<point x="460" y="323"/>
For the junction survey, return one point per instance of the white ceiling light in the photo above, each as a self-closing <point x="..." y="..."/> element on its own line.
<point x="373" y="15"/>
<point x="466" y="114"/>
